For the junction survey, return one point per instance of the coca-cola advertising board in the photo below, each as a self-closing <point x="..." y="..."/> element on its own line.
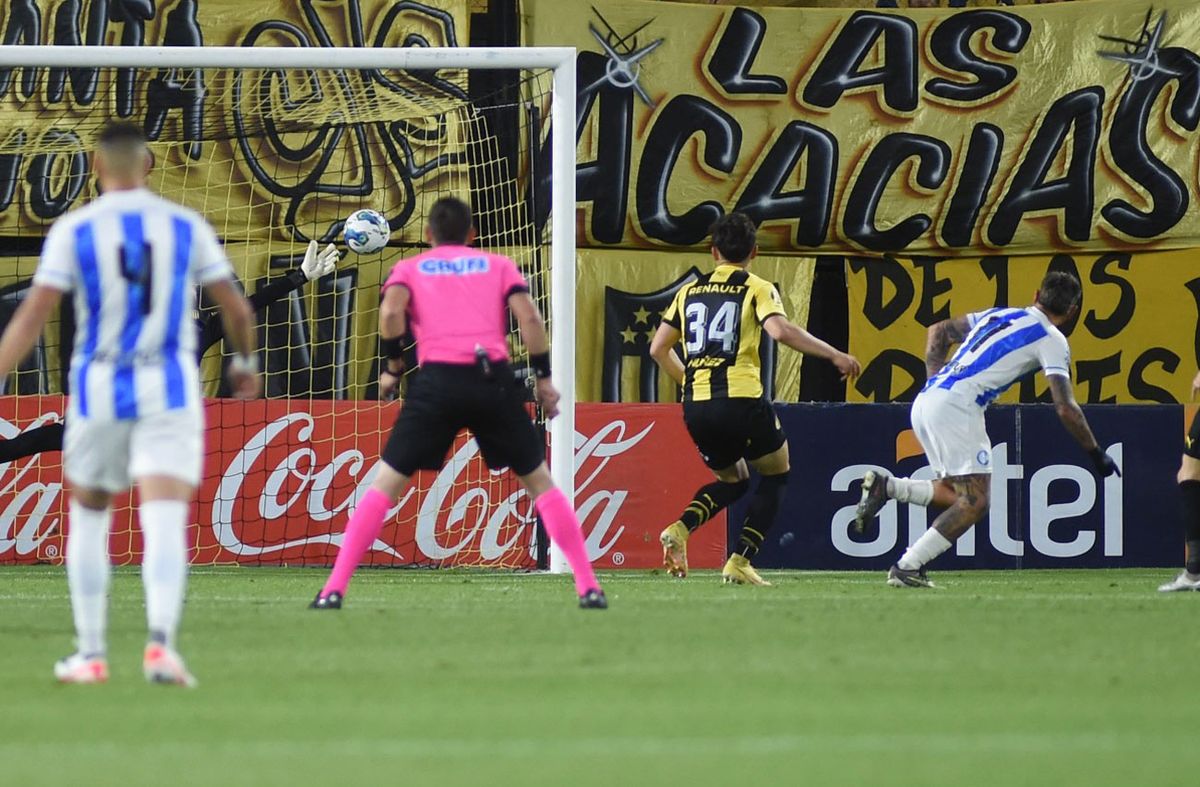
<point x="282" y="476"/>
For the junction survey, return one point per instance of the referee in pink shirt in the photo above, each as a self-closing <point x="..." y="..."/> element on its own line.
<point x="455" y="299"/>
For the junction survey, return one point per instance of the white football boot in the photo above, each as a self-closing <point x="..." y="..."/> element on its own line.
<point x="1181" y="582"/>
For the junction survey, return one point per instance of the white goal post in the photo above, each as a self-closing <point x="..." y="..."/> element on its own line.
<point x="561" y="60"/>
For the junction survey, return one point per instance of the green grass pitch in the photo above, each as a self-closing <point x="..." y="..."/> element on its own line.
<point x="1022" y="678"/>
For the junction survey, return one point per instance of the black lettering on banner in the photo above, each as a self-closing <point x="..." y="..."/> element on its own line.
<point x="735" y="54"/>
<point x="1090" y="376"/>
<point x="931" y="287"/>
<point x="764" y="198"/>
<point x="839" y="70"/>
<point x="682" y="118"/>
<point x="1065" y="263"/>
<point x="1122" y="313"/>
<point x="68" y="31"/>
<point x="181" y="89"/>
<point x="876" y="381"/>
<point x="950" y="44"/>
<point x="132" y="14"/>
<point x="604" y="181"/>
<point x="44" y="203"/>
<point x="933" y="165"/>
<point x="1144" y="391"/>
<point x="1075" y="116"/>
<point x="977" y="171"/>
<point x="387" y="34"/>
<point x="996" y="269"/>
<point x="1132" y="154"/>
<point x="24" y="27"/>
<point x="880" y="314"/>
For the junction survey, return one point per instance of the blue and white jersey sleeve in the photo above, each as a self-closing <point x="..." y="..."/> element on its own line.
<point x="209" y="263"/>
<point x="974" y="317"/>
<point x="1054" y="354"/>
<point x="56" y="269"/>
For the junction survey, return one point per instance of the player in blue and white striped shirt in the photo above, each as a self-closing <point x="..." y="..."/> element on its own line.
<point x="996" y="348"/>
<point x="132" y="260"/>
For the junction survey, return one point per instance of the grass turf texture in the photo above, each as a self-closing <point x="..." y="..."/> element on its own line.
<point x="1029" y="677"/>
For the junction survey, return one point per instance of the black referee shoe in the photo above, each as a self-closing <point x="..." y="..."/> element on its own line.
<point x="593" y="599"/>
<point x="331" y="601"/>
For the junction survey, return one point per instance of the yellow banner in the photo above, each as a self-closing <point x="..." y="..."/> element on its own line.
<point x="266" y="156"/>
<point x="874" y="3"/>
<point x="926" y="131"/>
<point x="260" y="152"/>
<point x="620" y="301"/>
<point x="1136" y="339"/>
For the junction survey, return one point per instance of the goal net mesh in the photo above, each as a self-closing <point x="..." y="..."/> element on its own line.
<point x="274" y="158"/>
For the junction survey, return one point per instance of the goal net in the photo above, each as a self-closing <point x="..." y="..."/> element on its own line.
<point x="275" y="153"/>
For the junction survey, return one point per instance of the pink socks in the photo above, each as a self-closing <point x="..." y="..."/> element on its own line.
<point x="367" y="520"/>
<point x="361" y="531"/>
<point x="563" y="528"/>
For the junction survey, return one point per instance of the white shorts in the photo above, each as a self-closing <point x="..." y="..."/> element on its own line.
<point x="952" y="432"/>
<point x="108" y="455"/>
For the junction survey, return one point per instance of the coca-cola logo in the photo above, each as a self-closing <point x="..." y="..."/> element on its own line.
<point x="458" y="514"/>
<point x="31" y="504"/>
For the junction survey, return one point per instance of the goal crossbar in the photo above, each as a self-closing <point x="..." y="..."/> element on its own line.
<point x="562" y="119"/>
<point x="337" y="57"/>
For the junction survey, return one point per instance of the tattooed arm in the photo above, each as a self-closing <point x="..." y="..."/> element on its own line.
<point x="1069" y="412"/>
<point x="941" y="337"/>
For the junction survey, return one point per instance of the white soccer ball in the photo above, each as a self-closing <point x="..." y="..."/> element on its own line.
<point x="366" y="231"/>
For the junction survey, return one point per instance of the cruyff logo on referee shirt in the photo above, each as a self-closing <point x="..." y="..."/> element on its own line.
<point x="459" y="266"/>
<point x="623" y="69"/>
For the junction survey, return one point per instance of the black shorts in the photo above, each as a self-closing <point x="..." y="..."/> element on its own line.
<point x="726" y="430"/>
<point x="1192" y="446"/>
<point x="444" y="399"/>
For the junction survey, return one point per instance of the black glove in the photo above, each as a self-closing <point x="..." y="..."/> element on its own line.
<point x="1105" y="465"/>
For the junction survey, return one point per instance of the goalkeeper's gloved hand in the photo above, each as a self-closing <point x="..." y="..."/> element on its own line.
<point x="317" y="265"/>
<point x="1105" y="464"/>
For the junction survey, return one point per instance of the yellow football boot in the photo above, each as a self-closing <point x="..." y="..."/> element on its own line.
<point x="739" y="571"/>
<point x="674" y="542"/>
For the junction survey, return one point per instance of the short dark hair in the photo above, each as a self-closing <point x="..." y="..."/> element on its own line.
<point x="119" y="132"/>
<point x="734" y="235"/>
<point x="1059" y="292"/>
<point x="450" y="220"/>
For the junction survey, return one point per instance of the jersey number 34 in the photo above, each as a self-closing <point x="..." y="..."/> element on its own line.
<point x="712" y="329"/>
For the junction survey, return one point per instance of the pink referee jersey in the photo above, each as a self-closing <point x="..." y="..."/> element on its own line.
<point x="458" y="300"/>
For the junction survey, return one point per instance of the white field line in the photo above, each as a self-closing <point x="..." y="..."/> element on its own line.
<point x="940" y="741"/>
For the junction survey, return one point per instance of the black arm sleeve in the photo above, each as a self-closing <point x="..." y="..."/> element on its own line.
<point x="212" y="330"/>
<point x="275" y="289"/>
<point x="48" y="437"/>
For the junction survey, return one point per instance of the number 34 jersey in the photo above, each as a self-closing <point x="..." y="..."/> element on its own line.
<point x="720" y="316"/>
<point x="133" y="261"/>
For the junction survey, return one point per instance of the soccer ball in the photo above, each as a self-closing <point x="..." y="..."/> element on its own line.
<point x="366" y="231"/>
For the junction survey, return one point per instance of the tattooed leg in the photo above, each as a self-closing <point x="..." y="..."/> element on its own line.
<point x="969" y="506"/>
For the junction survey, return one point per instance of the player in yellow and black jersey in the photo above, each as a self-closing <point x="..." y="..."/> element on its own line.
<point x="724" y="319"/>
<point x="722" y="314"/>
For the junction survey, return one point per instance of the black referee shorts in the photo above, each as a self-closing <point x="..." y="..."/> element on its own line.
<point x="444" y="399"/>
<point x="1192" y="446"/>
<point x="726" y="430"/>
